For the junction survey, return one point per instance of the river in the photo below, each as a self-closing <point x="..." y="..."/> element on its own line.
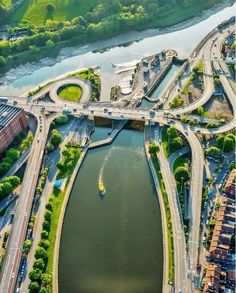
<point x="19" y="81"/>
<point x="113" y="244"/>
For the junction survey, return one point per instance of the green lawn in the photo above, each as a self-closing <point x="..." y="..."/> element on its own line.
<point x="71" y="93"/>
<point x="35" y="10"/>
<point x="180" y="162"/>
<point x="56" y="201"/>
<point x="165" y="142"/>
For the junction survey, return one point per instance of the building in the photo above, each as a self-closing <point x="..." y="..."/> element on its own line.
<point x="214" y="279"/>
<point x="12" y="121"/>
<point x="230" y="184"/>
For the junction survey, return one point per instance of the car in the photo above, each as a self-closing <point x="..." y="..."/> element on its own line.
<point x="105" y="110"/>
<point x="38" y="140"/>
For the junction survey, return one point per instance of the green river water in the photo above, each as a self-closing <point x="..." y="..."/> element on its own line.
<point x="113" y="244"/>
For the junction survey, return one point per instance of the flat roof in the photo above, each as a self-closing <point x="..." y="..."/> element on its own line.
<point x="7" y="114"/>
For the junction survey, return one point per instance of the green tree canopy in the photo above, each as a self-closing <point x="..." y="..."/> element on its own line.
<point x="182" y="174"/>
<point x="172" y="132"/>
<point x="33" y="287"/>
<point x="153" y="148"/>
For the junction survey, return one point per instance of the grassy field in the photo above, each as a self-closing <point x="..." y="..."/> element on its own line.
<point x="56" y="201"/>
<point x="36" y="12"/>
<point x="180" y="162"/>
<point x="71" y="93"/>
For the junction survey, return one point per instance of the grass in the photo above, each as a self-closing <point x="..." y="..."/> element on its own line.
<point x="56" y="200"/>
<point x="165" y="142"/>
<point x="70" y="92"/>
<point x="36" y="12"/>
<point x="181" y="161"/>
<point x="168" y="218"/>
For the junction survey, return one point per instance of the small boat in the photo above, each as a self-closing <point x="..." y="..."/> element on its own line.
<point x="101" y="188"/>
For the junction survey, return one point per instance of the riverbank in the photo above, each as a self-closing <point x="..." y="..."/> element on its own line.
<point x="28" y="68"/>
<point x="56" y="248"/>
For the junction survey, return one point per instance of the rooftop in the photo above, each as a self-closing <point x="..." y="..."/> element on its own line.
<point x="7" y="113"/>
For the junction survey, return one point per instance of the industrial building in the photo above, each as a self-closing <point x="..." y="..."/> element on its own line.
<point x="12" y="121"/>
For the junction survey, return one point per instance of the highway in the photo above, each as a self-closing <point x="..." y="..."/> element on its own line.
<point x="19" y="228"/>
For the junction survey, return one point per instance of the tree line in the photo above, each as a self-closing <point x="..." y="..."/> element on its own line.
<point x="104" y="20"/>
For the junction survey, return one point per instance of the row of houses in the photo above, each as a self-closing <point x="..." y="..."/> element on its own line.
<point x="220" y="275"/>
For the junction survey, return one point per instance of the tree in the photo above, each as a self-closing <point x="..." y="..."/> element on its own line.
<point x="46" y="280"/>
<point x="35" y="275"/>
<point x="34" y="49"/>
<point x="177" y="102"/>
<point x="44" y="243"/>
<point x="27" y="245"/>
<point x="200" y="111"/>
<point x="153" y="148"/>
<point x="228" y="144"/>
<point x="41" y="253"/>
<point x="44" y="234"/>
<point x="49" y="207"/>
<point x="56" y="137"/>
<point x="213" y="151"/>
<point x="2" y="61"/>
<point x="13" y="154"/>
<point x="44" y="290"/>
<point x="220" y="141"/>
<point x="46" y="226"/>
<point x="50" y="7"/>
<point x="50" y="44"/>
<point x="184" y="119"/>
<point x="39" y="264"/>
<point x="33" y="287"/>
<point x="182" y="174"/>
<point x="62" y="119"/>
<point x="172" y="132"/>
<point x="176" y="143"/>
<point x="48" y="216"/>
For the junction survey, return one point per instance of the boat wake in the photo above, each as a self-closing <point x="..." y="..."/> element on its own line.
<point x="100" y="178"/>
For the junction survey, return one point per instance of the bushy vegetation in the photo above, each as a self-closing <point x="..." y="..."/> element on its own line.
<point x="46" y="25"/>
<point x="70" y="156"/>
<point x="61" y="119"/>
<point x="177" y="102"/>
<point x="18" y="146"/>
<point x="54" y="140"/>
<point x="7" y="185"/>
<point x="91" y="75"/>
<point x="153" y="148"/>
<point x="171" y="140"/>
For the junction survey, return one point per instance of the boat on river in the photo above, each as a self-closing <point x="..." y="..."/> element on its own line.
<point x="101" y="188"/>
